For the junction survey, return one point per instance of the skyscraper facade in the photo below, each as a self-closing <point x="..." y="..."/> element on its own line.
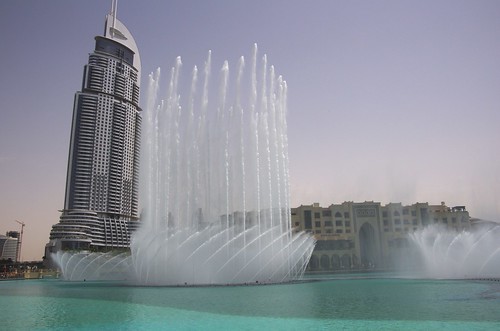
<point x="101" y="200"/>
<point x="9" y="246"/>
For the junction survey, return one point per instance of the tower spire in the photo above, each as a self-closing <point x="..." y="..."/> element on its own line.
<point x="114" y="9"/>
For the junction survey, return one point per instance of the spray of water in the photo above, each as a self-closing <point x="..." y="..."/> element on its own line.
<point x="467" y="254"/>
<point x="215" y="182"/>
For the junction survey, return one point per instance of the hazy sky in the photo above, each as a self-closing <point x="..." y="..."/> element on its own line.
<point x="391" y="101"/>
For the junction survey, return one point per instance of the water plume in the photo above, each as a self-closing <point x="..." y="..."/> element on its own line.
<point x="215" y="186"/>
<point x="473" y="253"/>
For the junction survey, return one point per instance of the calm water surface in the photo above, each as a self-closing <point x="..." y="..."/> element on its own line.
<point x="330" y="303"/>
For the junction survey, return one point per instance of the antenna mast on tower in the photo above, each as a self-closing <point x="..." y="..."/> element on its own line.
<point x="114" y="9"/>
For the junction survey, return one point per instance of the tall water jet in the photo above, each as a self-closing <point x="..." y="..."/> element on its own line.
<point x="215" y="182"/>
<point x="468" y="254"/>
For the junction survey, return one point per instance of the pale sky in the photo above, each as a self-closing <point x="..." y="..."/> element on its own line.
<point x="390" y="101"/>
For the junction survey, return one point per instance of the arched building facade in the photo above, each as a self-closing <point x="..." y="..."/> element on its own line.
<point x="367" y="235"/>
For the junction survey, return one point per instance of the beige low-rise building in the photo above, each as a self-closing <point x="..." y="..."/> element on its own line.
<point x="367" y="235"/>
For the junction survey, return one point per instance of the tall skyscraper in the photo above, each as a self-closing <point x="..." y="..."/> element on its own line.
<point x="101" y="200"/>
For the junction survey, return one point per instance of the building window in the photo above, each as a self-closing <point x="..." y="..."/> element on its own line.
<point x="328" y="223"/>
<point x="397" y="221"/>
<point x="338" y="214"/>
<point x="339" y="231"/>
<point x="386" y="222"/>
<point x="327" y="213"/>
<point x="317" y="215"/>
<point x="317" y="224"/>
<point x="347" y="223"/>
<point x="405" y="211"/>
<point x="414" y="221"/>
<point x="307" y="219"/>
<point x="339" y="223"/>
<point x="346" y="214"/>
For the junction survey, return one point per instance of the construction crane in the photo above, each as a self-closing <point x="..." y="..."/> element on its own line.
<point x="19" y="241"/>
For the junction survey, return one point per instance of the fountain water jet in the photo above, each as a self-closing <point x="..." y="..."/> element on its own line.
<point x="84" y="265"/>
<point x="214" y="183"/>
<point x="468" y="254"/>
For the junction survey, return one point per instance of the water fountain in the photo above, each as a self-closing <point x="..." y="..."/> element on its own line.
<point x="215" y="185"/>
<point x="85" y="265"/>
<point x="468" y="254"/>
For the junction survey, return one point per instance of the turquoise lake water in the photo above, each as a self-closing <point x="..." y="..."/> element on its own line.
<point x="332" y="303"/>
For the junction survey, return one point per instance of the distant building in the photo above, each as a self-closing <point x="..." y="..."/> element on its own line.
<point x="101" y="201"/>
<point x="367" y="235"/>
<point x="8" y="246"/>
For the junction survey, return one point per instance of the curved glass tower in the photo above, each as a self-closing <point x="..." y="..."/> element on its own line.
<point x="101" y="200"/>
